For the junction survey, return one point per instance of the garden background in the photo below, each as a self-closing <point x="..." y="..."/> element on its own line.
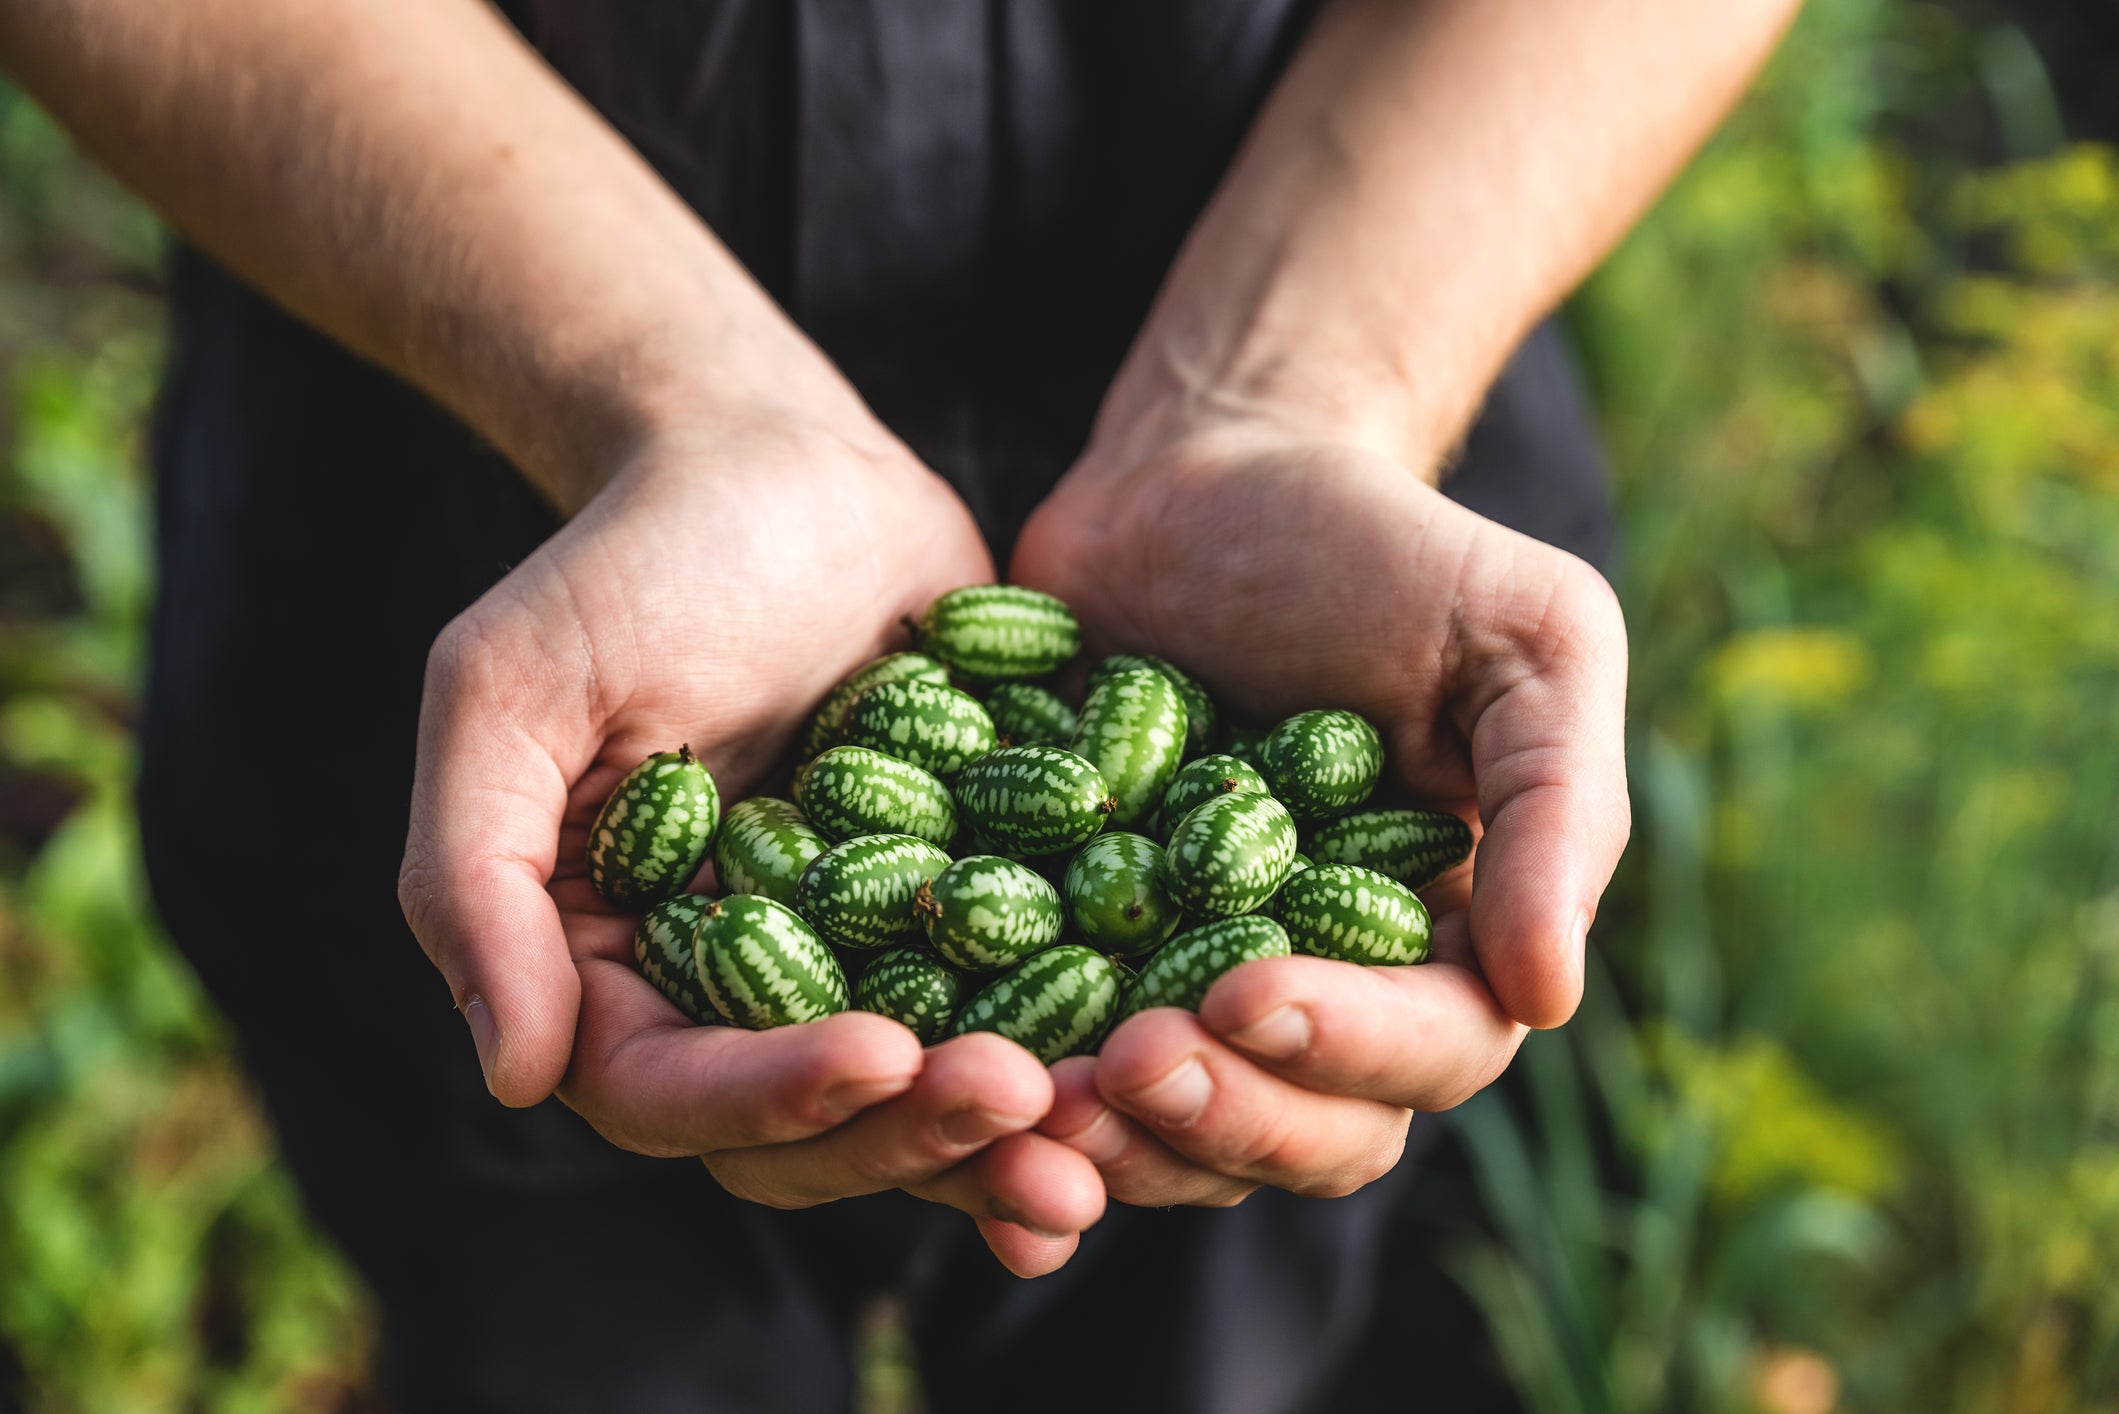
<point x="1839" y="1124"/>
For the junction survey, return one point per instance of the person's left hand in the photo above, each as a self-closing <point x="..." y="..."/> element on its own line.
<point x="1290" y="573"/>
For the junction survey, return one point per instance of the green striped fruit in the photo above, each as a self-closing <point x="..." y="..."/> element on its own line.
<point x="822" y="734"/>
<point x="1230" y="854"/>
<point x="1181" y="973"/>
<point x="1301" y="862"/>
<point x="1353" y="914"/>
<point x="1199" y="708"/>
<point x="763" y="846"/>
<point x="1056" y="1004"/>
<point x="1201" y="779"/>
<point x="852" y="791"/>
<point x="1026" y="800"/>
<point x="914" y="988"/>
<point x="662" y="946"/>
<point x="653" y="833"/>
<point x="1118" y="895"/>
<point x="985" y="913"/>
<point x="1242" y="742"/>
<point x="763" y="967"/>
<point x="999" y="632"/>
<point x="1322" y="764"/>
<point x="938" y="729"/>
<point x="1415" y="847"/>
<point x="1133" y="731"/>
<point x="1025" y="714"/>
<point x="861" y="894"/>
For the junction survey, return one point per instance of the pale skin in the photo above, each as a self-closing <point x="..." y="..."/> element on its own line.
<point x="1426" y="182"/>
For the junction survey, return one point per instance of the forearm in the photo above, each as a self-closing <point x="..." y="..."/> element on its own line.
<point x="1428" y="180"/>
<point x="410" y="178"/>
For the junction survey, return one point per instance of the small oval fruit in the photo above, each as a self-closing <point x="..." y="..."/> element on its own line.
<point x="662" y="946"/>
<point x="1201" y="779"/>
<point x="1025" y="714"/>
<point x="1000" y="632"/>
<point x="1415" y="847"/>
<point x="1024" y="800"/>
<point x="822" y="733"/>
<point x="860" y="894"/>
<point x="1133" y="731"/>
<point x="914" y="988"/>
<point x="1181" y="974"/>
<point x="763" y="846"/>
<point x="1356" y="915"/>
<point x="1230" y="854"/>
<point x="852" y="791"/>
<point x="984" y="913"/>
<point x="1118" y="895"/>
<point x="1322" y="764"/>
<point x="1200" y="714"/>
<point x="1056" y="1004"/>
<point x="938" y="729"/>
<point x="653" y="833"/>
<point x="762" y="966"/>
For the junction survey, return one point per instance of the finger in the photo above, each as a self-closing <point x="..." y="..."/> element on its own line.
<point x="1424" y="1038"/>
<point x="487" y="799"/>
<point x="1548" y="753"/>
<point x="971" y="1091"/>
<point x="1026" y="1181"/>
<point x="1222" y="1112"/>
<point x="1136" y="1167"/>
<point x="651" y="1082"/>
<point x="1023" y="1252"/>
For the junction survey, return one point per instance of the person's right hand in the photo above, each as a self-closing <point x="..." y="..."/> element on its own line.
<point x="710" y="594"/>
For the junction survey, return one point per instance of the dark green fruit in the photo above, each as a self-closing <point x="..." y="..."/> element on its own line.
<point x="1117" y="889"/>
<point x="763" y="846"/>
<point x="1322" y="764"/>
<point x="1025" y="714"/>
<point x="938" y="729"/>
<point x="823" y="731"/>
<point x="1056" y="1004"/>
<point x="1230" y="854"/>
<point x="653" y="833"/>
<point x="912" y="987"/>
<point x="1356" y="915"/>
<point x="662" y="946"/>
<point x="1415" y="847"/>
<point x="1025" y="800"/>
<point x="762" y="966"/>
<point x="1181" y="974"/>
<point x="1200" y="716"/>
<point x="985" y="913"/>
<point x="1133" y="731"/>
<point x="998" y="632"/>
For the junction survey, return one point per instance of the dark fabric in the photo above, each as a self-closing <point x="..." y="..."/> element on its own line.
<point x="970" y="206"/>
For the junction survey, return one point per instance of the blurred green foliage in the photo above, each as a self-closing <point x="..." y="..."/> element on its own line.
<point x="1839" y="1124"/>
<point x="153" y="1256"/>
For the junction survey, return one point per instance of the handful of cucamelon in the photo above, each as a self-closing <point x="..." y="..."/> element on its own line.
<point x="982" y="855"/>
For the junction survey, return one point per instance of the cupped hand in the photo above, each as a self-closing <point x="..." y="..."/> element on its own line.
<point x="710" y="594"/>
<point x="1289" y="572"/>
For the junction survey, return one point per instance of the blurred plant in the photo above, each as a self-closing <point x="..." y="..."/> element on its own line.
<point x="152" y="1254"/>
<point x="1843" y="1123"/>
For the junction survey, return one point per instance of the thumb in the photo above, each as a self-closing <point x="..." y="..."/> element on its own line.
<point x="487" y="801"/>
<point x="1549" y="759"/>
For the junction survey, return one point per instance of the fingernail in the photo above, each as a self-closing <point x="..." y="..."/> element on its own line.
<point x="1177" y="1098"/>
<point x="1100" y="1141"/>
<point x="963" y="1128"/>
<point x="1001" y="1212"/>
<point x="1281" y="1034"/>
<point x="846" y="1101"/>
<point x="485" y="1034"/>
